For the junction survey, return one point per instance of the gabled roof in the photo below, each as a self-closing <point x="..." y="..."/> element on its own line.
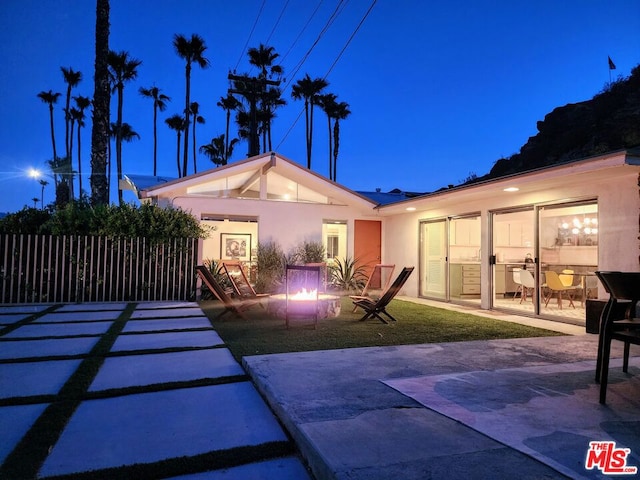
<point x="269" y="176"/>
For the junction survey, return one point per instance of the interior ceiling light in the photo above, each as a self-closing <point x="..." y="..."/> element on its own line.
<point x="511" y="189"/>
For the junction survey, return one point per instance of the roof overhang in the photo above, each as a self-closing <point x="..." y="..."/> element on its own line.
<point x="244" y="179"/>
<point x="590" y="170"/>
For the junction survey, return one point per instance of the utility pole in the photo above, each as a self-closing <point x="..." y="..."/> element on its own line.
<point x="253" y="90"/>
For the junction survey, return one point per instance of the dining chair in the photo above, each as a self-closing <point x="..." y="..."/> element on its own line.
<point x="517" y="280"/>
<point x="557" y="288"/>
<point x="528" y="284"/>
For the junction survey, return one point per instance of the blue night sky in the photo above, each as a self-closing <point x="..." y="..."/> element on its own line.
<point x="438" y="90"/>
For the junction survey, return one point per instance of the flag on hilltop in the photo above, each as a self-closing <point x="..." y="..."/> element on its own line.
<point x="612" y="66"/>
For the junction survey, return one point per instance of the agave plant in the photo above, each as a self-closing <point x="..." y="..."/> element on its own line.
<point x="348" y="275"/>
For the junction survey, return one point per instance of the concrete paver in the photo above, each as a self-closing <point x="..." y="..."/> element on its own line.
<point x="17" y="349"/>
<point x="150" y="325"/>
<point x="15" y="420"/>
<point x="145" y="341"/>
<point x="75" y="316"/>
<point x="150" y="427"/>
<point x="124" y="371"/>
<point x="59" y="330"/>
<point x="171" y="421"/>
<point x="27" y="379"/>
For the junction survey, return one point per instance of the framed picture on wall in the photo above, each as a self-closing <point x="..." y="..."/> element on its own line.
<point x="235" y="246"/>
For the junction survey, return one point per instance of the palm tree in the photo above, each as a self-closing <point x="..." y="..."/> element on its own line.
<point x="308" y="89"/>
<point x="263" y="57"/>
<point x="126" y="133"/>
<point x="341" y="112"/>
<point x="72" y="79"/>
<point x="101" y="99"/>
<point x="122" y="68"/>
<point x="177" y="122"/>
<point x="43" y="183"/>
<point x="159" y="103"/>
<point x="51" y="99"/>
<point x="197" y="118"/>
<point x="219" y="150"/>
<point x="228" y="104"/>
<point x="327" y="103"/>
<point x="82" y="103"/>
<point x="191" y="51"/>
<point x="271" y="100"/>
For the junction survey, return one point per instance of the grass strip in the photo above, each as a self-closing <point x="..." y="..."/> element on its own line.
<point x="216" y="460"/>
<point x="28" y="456"/>
<point x="417" y="324"/>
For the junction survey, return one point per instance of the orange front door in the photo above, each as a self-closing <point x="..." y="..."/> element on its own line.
<point x="368" y="243"/>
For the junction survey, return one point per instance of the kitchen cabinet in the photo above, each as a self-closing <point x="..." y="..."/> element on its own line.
<point x="499" y="280"/>
<point x="464" y="280"/>
<point x="465" y="232"/>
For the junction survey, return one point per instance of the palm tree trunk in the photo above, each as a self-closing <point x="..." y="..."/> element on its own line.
<point x="79" y="167"/>
<point x="195" y="168"/>
<point x="178" y="154"/>
<point x="336" y="143"/>
<point x="119" y="145"/>
<point x="330" y="145"/>
<point x="53" y="137"/>
<point x="186" y="117"/>
<point x="226" y="138"/>
<point x="71" y="190"/>
<point x="155" y="138"/>
<point x="310" y="133"/>
<point x="306" y="115"/>
<point x="100" y="128"/>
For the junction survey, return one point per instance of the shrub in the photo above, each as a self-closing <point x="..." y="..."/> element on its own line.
<point x="271" y="263"/>
<point x="307" y="252"/>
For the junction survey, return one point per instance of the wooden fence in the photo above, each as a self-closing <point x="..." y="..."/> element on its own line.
<point x="73" y="269"/>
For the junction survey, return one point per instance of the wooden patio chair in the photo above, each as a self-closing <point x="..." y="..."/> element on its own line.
<point x="230" y="304"/>
<point x="240" y="282"/>
<point x="377" y="283"/>
<point x="623" y="287"/>
<point x="374" y="308"/>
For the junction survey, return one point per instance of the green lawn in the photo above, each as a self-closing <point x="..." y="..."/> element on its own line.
<point x="261" y="334"/>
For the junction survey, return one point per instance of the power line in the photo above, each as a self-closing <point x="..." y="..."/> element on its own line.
<point x="300" y="33"/>
<point x="250" y="34"/>
<point x="330" y="68"/>
<point x="329" y="22"/>
<point x="266" y="42"/>
<point x="350" y="38"/>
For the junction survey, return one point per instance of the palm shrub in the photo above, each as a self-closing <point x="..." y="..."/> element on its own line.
<point x="271" y="263"/>
<point x="348" y="275"/>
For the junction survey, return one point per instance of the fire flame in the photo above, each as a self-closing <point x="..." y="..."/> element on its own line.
<point x="305" y="294"/>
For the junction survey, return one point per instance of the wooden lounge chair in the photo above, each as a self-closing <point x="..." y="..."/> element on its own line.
<point x="230" y="304"/>
<point x="374" y="308"/>
<point x="240" y="282"/>
<point x="624" y="290"/>
<point x="377" y="283"/>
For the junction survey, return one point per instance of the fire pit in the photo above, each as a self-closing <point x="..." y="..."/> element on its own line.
<point x="302" y="298"/>
<point x="328" y="306"/>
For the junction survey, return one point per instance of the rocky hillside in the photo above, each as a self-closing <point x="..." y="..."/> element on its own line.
<point x="608" y="122"/>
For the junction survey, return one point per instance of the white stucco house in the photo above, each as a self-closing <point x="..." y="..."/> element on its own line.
<point x="468" y="243"/>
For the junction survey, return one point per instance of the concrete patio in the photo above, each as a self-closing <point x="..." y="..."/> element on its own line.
<point x="166" y="395"/>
